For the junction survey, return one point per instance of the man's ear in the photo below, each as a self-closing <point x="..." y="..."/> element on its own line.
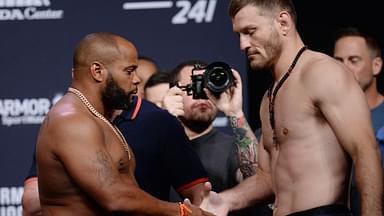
<point x="377" y="65"/>
<point x="97" y="71"/>
<point x="285" y="22"/>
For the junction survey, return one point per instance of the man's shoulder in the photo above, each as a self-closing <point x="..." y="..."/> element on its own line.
<point x="319" y="62"/>
<point x="379" y="109"/>
<point x="66" y="126"/>
<point x="147" y="114"/>
<point x="148" y="106"/>
<point x="69" y="112"/>
<point x="321" y="73"/>
<point x="70" y="118"/>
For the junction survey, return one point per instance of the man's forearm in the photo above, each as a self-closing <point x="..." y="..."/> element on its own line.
<point x="246" y="143"/>
<point x="253" y="190"/>
<point x="369" y="177"/>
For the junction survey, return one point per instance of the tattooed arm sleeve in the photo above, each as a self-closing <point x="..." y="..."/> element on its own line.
<point x="246" y="143"/>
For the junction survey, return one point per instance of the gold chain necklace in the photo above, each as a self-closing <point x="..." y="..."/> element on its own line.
<point x="117" y="132"/>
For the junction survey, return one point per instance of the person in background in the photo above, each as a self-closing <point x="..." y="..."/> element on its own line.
<point x="163" y="152"/>
<point x="315" y="124"/>
<point x="146" y="68"/>
<point x="157" y="87"/>
<point x="216" y="149"/>
<point x="361" y="54"/>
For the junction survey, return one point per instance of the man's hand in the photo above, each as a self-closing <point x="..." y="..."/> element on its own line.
<point x="231" y="100"/>
<point x="173" y="101"/>
<point x="197" y="192"/>
<point x="196" y="210"/>
<point x="214" y="203"/>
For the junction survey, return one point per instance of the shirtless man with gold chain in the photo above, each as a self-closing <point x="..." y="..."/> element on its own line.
<point x="85" y="166"/>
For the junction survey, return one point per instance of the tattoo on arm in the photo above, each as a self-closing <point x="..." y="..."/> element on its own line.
<point x="246" y="143"/>
<point x="104" y="170"/>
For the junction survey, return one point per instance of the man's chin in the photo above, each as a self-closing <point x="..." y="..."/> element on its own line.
<point x="204" y="115"/>
<point x="258" y="67"/>
<point x="126" y="105"/>
<point x="197" y="126"/>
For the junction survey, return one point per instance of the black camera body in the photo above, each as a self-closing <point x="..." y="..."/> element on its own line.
<point x="217" y="77"/>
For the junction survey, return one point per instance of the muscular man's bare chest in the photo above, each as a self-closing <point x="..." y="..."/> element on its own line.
<point x="294" y="113"/>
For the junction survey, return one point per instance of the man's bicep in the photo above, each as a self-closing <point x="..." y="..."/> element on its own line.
<point x="345" y="108"/>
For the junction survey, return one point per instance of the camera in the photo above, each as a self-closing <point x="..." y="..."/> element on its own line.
<point x="217" y="77"/>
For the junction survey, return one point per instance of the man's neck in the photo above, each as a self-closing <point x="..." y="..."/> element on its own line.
<point x="193" y="135"/>
<point x="289" y="52"/>
<point x="374" y="98"/>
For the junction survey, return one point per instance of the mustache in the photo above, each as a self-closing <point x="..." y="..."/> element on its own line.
<point x="250" y="51"/>
<point x="202" y="103"/>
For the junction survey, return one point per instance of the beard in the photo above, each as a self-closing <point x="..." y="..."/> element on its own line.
<point x="198" y="120"/>
<point x="114" y="97"/>
<point x="273" y="49"/>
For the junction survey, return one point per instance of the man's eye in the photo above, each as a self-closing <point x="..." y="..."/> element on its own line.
<point x="251" y="31"/>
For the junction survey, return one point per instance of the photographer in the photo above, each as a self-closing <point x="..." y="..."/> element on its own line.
<point x="217" y="150"/>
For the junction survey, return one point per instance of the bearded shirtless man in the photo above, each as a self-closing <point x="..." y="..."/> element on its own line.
<point x="85" y="166"/>
<point x="315" y="123"/>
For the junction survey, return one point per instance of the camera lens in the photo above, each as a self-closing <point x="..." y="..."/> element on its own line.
<point x="218" y="76"/>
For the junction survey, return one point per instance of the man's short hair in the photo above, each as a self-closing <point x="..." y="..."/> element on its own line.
<point x="157" y="78"/>
<point x="371" y="41"/>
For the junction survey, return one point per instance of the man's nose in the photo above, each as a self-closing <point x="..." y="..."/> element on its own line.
<point x="244" y="42"/>
<point x="136" y="80"/>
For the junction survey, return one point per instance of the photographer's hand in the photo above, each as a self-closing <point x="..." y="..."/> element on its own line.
<point x="173" y="101"/>
<point x="231" y="100"/>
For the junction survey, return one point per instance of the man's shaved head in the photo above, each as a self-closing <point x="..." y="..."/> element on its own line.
<point x="102" y="47"/>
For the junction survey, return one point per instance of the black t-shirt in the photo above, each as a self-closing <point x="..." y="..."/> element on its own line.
<point x="218" y="154"/>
